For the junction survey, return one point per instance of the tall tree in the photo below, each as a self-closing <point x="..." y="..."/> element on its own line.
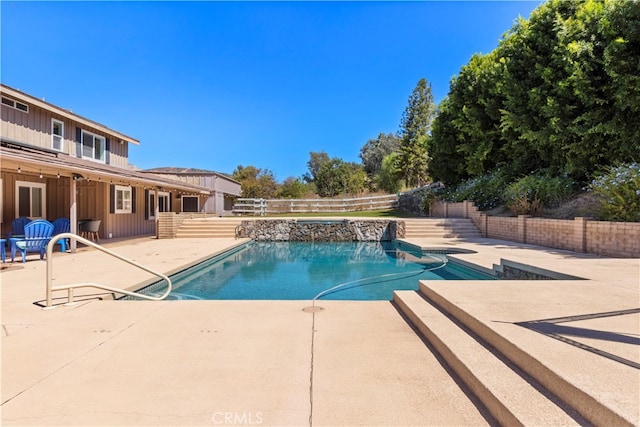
<point x="377" y="149"/>
<point x="560" y="94"/>
<point x="415" y="128"/>
<point x="316" y="160"/>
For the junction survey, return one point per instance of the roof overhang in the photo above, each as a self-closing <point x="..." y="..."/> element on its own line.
<point x="21" y="96"/>
<point x="35" y="161"/>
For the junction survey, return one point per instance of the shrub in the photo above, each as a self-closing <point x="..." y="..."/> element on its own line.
<point x="531" y="194"/>
<point x="524" y="206"/>
<point x="485" y="191"/>
<point x="619" y="193"/>
<point x="428" y="197"/>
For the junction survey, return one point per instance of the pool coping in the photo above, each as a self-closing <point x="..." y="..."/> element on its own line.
<point x="78" y="342"/>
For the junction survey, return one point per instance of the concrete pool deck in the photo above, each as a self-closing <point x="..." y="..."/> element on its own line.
<point x="105" y="362"/>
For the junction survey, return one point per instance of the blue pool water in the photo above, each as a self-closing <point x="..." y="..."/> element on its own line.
<point x="304" y="271"/>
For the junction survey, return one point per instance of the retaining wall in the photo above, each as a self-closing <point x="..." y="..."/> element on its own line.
<point x="615" y="239"/>
<point x="322" y="231"/>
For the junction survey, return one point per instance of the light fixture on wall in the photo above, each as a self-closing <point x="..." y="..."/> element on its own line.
<point x="19" y="169"/>
<point x="40" y="173"/>
<point x="58" y="174"/>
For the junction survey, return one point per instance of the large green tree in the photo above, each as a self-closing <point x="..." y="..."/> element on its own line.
<point x="415" y="128"/>
<point x="466" y="136"/>
<point x="316" y="160"/>
<point x="337" y="177"/>
<point x="255" y="183"/>
<point x="292" y="188"/>
<point x="374" y="150"/>
<point x="560" y="94"/>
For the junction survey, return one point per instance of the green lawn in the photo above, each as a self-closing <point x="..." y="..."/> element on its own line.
<point x="390" y="213"/>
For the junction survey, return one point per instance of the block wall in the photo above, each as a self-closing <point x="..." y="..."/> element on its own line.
<point x="553" y="233"/>
<point x="502" y="228"/>
<point x="614" y="239"/>
<point x="617" y="239"/>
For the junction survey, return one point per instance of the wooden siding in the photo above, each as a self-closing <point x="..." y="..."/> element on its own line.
<point x="217" y="202"/>
<point x="56" y="203"/>
<point x="92" y="202"/>
<point x="34" y="128"/>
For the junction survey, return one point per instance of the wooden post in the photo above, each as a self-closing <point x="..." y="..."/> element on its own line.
<point x="73" y="212"/>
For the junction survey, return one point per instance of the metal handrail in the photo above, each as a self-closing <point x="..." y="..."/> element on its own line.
<point x="70" y="288"/>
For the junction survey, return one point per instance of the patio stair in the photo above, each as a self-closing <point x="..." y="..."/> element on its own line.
<point x="208" y="227"/>
<point x="441" y="228"/>
<point x="493" y="369"/>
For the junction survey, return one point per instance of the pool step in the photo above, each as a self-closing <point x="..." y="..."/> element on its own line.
<point x="511" y="399"/>
<point x="208" y="227"/>
<point x="456" y="228"/>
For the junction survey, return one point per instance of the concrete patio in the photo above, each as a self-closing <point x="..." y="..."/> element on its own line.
<point x="106" y="362"/>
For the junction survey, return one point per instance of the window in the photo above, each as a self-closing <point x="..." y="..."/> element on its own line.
<point x="15" y="104"/>
<point x="57" y="135"/>
<point x="123" y="197"/>
<point x="190" y="204"/>
<point x="151" y="205"/>
<point x="93" y="146"/>
<point x="164" y="204"/>
<point x="31" y="199"/>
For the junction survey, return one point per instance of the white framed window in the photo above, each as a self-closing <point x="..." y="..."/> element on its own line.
<point x="93" y="146"/>
<point x="190" y="204"/>
<point x="123" y="196"/>
<point x="57" y="135"/>
<point x="163" y="201"/>
<point x="15" y="104"/>
<point x="31" y="198"/>
<point x="151" y="205"/>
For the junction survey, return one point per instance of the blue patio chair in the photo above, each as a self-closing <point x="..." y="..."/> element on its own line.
<point x="61" y="225"/>
<point x="17" y="226"/>
<point x="37" y="234"/>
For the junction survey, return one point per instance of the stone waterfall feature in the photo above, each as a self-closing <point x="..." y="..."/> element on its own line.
<point x="322" y="230"/>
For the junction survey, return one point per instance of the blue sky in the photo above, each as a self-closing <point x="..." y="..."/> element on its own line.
<point x="214" y="85"/>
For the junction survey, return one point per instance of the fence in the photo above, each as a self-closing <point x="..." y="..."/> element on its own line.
<point x="280" y="206"/>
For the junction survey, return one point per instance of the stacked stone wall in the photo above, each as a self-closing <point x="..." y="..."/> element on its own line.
<point x="322" y="231"/>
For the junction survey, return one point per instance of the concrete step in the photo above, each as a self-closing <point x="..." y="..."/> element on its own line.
<point x="511" y="399"/>
<point x="441" y="228"/>
<point x="201" y="227"/>
<point x="589" y="406"/>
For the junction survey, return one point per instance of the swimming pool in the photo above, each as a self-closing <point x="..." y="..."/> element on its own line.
<point x="321" y="270"/>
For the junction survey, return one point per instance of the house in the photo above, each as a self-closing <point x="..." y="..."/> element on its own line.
<point x="224" y="189"/>
<point x="56" y="163"/>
